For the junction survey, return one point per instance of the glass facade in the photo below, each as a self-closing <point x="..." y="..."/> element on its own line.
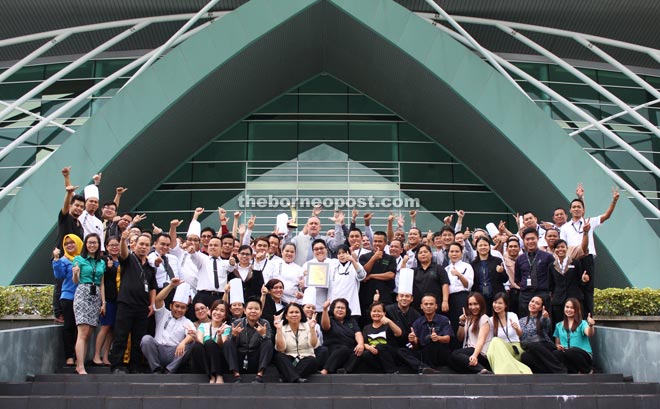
<point x="325" y="139"/>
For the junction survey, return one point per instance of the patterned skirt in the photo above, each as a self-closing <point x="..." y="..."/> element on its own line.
<point x="87" y="307"/>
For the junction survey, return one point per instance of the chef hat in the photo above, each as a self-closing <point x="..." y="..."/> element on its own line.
<point x="309" y="297"/>
<point x="236" y="291"/>
<point x="182" y="293"/>
<point x="195" y="228"/>
<point x="406" y="281"/>
<point x="91" y="191"/>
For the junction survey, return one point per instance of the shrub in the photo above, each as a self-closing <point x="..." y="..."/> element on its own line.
<point x="627" y="301"/>
<point x="26" y="300"/>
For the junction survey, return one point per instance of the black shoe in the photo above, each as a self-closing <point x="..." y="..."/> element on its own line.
<point x="301" y="380"/>
<point x="430" y="371"/>
<point x="119" y="371"/>
<point x="341" y="371"/>
<point x="238" y="379"/>
<point x="158" y="369"/>
<point x="258" y="379"/>
<point x="165" y="371"/>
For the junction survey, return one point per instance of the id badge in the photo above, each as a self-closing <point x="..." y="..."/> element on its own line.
<point x="245" y="364"/>
<point x="529" y="282"/>
<point x="146" y="287"/>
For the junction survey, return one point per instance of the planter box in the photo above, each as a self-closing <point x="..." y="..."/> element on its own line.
<point x="24" y="321"/>
<point x="644" y="323"/>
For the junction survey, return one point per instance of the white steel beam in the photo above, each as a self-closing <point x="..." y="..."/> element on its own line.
<point x="643" y="200"/>
<point x="475" y="44"/>
<point x="34" y="54"/>
<point x="106" y="81"/>
<point x="612" y="61"/>
<point x="580" y="75"/>
<point x="41" y="118"/>
<point x="172" y="39"/>
<point x="64" y="71"/>
<point x="568" y="104"/>
<point x="609" y="118"/>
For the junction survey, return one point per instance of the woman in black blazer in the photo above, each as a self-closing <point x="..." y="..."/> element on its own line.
<point x="489" y="273"/>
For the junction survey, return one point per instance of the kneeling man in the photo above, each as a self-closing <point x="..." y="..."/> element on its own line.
<point x="166" y="351"/>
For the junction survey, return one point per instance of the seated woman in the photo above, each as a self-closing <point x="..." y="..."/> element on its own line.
<point x="250" y="347"/>
<point x="271" y="299"/>
<point x="572" y="338"/>
<point x="207" y="351"/>
<point x="489" y="274"/>
<point x="379" y="337"/>
<point x="342" y="336"/>
<point x="536" y="341"/>
<point x="89" y="300"/>
<point x="475" y="333"/>
<point x="295" y="340"/>
<point x="321" y="351"/>
<point x="72" y="246"/>
<point x="504" y="350"/>
<point x="201" y="314"/>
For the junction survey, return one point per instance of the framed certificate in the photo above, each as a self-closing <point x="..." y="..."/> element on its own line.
<point x="317" y="275"/>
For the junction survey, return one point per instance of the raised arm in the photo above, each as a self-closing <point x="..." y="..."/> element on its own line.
<point x="610" y="209"/>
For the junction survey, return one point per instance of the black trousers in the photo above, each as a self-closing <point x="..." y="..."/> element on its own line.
<point x="258" y="359"/>
<point x="457" y="302"/>
<point x="435" y="354"/>
<point x="540" y="358"/>
<point x="576" y="360"/>
<point x="588" y="305"/>
<point x="460" y="361"/>
<point x="322" y="355"/>
<point x="57" y="292"/>
<point x="131" y="320"/>
<point x="70" y="331"/>
<point x="208" y="358"/>
<point x="289" y="373"/>
<point x="383" y="361"/>
<point x="340" y="356"/>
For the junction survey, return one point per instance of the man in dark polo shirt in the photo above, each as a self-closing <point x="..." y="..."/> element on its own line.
<point x="137" y="294"/>
<point x="532" y="271"/>
<point x="67" y="223"/>
<point x="381" y="270"/>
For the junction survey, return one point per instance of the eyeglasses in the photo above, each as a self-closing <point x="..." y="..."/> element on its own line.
<point x="318" y="248"/>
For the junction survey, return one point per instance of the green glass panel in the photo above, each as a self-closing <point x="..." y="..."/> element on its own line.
<point x="223" y="172"/>
<point x="283" y="104"/>
<point x="272" y="131"/>
<point x="426" y="173"/>
<point x="327" y="104"/>
<point x="104" y="68"/>
<point x="361" y="104"/>
<point x="34" y="73"/>
<point x="422" y="152"/>
<point x="324" y="84"/>
<point x="372" y="131"/>
<point x="223" y="150"/>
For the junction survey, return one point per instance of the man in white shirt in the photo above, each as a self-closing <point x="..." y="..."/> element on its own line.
<point x="572" y="233"/>
<point x="166" y="351"/>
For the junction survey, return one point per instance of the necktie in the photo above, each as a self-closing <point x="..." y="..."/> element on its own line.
<point x="168" y="267"/>
<point x="216" y="282"/>
<point x="445" y="260"/>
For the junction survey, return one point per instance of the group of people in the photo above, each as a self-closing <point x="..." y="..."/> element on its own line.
<point x="227" y="303"/>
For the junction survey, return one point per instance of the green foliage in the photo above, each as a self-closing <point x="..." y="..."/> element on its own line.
<point x="627" y="301"/>
<point x="26" y="300"/>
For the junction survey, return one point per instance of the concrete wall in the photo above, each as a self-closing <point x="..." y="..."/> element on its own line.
<point x="33" y="350"/>
<point x="630" y="352"/>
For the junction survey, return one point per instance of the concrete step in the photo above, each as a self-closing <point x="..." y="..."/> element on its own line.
<point x="138" y="389"/>
<point x="272" y="377"/>
<point x="308" y="401"/>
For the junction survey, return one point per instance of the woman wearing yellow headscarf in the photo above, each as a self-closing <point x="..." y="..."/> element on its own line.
<point x="72" y="246"/>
